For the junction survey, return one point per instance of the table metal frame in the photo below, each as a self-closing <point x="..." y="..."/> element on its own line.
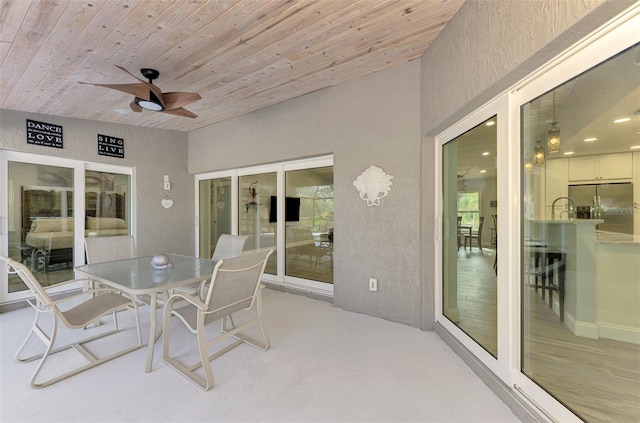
<point x="138" y="278"/>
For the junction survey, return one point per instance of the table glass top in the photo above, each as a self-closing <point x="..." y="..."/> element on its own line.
<point x="137" y="274"/>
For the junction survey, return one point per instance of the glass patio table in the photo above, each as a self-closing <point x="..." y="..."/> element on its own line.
<point x="136" y="276"/>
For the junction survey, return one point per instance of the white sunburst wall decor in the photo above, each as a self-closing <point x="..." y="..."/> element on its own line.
<point x="373" y="185"/>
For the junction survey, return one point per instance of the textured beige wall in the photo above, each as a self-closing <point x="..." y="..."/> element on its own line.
<point x="152" y="152"/>
<point x="371" y="121"/>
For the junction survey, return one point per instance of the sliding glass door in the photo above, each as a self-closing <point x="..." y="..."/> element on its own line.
<point x="48" y="205"/>
<point x="40" y="222"/>
<point x="286" y="206"/>
<point x="309" y="224"/>
<point x="561" y="325"/>
<point x="255" y="194"/>
<point x="470" y="290"/>
<point x="215" y="213"/>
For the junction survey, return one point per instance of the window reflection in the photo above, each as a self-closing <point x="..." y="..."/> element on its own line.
<point x="581" y="245"/>
<point x="309" y="224"/>
<point x="470" y="224"/>
<point x="41" y="222"/>
<point x="254" y="197"/>
<point x="107" y="205"/>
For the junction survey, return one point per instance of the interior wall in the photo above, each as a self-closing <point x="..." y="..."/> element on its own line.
<point x="153" y="153"/>
<point x="486" y="48"/>
<point x="374" y="120"/>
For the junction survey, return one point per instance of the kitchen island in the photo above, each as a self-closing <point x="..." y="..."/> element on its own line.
<point x="617" y="266"/>
<point x="602" y="277"/>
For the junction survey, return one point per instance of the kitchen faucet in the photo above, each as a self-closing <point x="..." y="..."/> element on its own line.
<point x="570" y="212"/>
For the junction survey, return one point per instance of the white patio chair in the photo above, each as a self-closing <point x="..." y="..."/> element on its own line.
<point x="227" y="246"/>
<point x="235" y="285"/>
<point x="76" y="316"/>
<point x="109" y="248"/>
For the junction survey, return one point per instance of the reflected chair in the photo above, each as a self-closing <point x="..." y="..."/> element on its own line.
<point x="477" y="235"/>
<point x="459" y="232"/>
<point x="495" y="234"/>
<point x="546" y="266"/>
<point x="234" y="286"/>
<point x="42" y="257"/>
<point x="80" y="313"/>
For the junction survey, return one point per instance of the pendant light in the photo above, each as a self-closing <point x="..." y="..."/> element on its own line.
<point x="538" y="154"/>
<point x="553" y="135"/>
<point x="538" y="150"/>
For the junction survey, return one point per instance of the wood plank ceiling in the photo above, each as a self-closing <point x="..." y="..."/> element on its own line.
<point x="239" y="55"/>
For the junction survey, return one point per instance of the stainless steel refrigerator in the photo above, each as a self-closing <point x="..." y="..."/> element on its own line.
<point x="616" y="204"/>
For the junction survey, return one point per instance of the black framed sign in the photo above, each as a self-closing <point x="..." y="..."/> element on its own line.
<point x="41" y="133"/>
<point x="110" y="146"/>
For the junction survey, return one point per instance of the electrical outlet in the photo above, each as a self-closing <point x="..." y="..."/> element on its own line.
<point x="167" y="186"/>
<point x="373" y="284"/>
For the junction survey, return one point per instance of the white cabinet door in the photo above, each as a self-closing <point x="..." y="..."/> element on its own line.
<point x="604" y="167"/>
<point x="583" y="168"/>
<point x="615" y="166"/>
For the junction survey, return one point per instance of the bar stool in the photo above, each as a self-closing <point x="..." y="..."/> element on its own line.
<point x="545" y="264"/>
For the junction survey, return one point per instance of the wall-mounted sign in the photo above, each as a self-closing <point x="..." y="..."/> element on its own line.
<point x="47" y="134"/>
<point x="110" y="146"/>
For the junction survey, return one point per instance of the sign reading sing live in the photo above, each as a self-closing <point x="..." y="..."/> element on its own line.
<point x="47" y="134"/>
<point x="110" y="146"/>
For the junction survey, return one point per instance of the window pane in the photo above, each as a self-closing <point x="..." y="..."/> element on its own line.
<point x="254" y="197"/>
<point x="309" y="224"/>
<point x="41" y="222"/>
<point x="469" y="216"/>
<point x="581" y="246"/>
<point x="107" y="204"/>
<point x="215" y="213"/>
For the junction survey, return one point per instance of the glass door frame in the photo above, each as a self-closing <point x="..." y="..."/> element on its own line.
<point x="498" y="107"/>
<point x="615" y="36"/>
<point x="280" y="169"/>
<point x="79" y="168"/>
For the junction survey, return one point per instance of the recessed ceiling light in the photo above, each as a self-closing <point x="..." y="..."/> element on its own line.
<point x="486" y="153"/>
<point x="590" y="139"/>
<point x="490" y="123"/>
<point x="568" y="153"/>
<point x="621" y="120"/>
<point x="483" y="171"/>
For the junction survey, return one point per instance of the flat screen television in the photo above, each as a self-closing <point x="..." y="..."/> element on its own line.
<point x="291" y="209"/>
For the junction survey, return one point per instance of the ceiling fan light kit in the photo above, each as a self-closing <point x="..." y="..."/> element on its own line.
<point x="149" y="97"/>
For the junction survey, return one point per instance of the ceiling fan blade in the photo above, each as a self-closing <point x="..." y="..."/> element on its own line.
<point x="134" y="106"/>
<point x="139" y="89"/>
<point x="180" y="112"/>
<point x="123" y="69"/>
<point x="175" y="100"/>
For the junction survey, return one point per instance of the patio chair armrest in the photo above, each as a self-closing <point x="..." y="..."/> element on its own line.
<point x="46" y="288"/>
<point x="81" y="294"/>
<point x="189" y="298"/>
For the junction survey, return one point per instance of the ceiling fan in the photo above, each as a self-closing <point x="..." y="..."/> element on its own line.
<point x="150" y="97"/>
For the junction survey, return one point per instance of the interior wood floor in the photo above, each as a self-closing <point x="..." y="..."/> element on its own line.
<point x="598" y="379"/>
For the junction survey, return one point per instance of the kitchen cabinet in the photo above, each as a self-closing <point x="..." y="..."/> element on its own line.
<point x="603" y="167"/>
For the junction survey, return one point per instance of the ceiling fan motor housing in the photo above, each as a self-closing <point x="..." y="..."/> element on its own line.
<point x="149" y="73"/>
